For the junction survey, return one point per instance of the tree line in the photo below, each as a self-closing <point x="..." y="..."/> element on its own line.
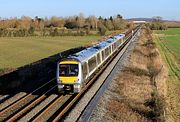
<point x="157" y="24"/>
<point x="59" y="26"/>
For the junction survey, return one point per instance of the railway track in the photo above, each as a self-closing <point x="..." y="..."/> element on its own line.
<point x="68" y="101"/>
<point x="54" y="110"/>
<point x="24" y="102"/>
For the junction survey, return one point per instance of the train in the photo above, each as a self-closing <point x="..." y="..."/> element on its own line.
<point x="74" y="71"/>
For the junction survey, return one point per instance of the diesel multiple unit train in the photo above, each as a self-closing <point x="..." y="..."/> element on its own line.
<point x="75" y="70"/>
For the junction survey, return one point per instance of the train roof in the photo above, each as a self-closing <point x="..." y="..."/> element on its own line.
<point x="88" y="52"/>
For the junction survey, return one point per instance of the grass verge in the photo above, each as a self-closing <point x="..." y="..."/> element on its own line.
<point x="173" y="81"/>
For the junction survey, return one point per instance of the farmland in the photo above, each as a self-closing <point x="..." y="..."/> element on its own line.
<point x="168" y="43"/>
<point x="18" y="51"/>
<point x="170" y="32"/>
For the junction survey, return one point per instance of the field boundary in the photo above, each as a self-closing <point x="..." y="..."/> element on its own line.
<point x="168" y="60"/>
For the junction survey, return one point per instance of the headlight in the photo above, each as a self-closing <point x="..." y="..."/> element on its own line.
<point x="76" y="80"/>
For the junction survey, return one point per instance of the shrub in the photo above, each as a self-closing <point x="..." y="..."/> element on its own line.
<point x="102" y="30"/>
<point x="136" y="71"/>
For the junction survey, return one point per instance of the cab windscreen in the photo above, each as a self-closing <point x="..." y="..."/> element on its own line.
<point x="68" y="70"/>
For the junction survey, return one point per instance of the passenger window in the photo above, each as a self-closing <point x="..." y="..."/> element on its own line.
<point x="98" y="58"/>
<point x="92" y="63"/>
<point x="117" y="44"/>
<point x="106" y="52"/>
<point x="84" y="68"/>
<point x="114" y="46"/>
<point x="119" y="41"/>
<point x="109" y="49"/>
<point x="103" y="56"/>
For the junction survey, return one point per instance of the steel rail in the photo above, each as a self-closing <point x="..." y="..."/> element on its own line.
<point x="11" y="106"/>
<point x="38" y="100"/>
<point x="48" y="108"/>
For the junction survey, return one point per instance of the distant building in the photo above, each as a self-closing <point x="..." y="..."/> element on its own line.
<point x="139" y="22"/>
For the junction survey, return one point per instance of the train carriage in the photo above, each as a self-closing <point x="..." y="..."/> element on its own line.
<point x="75" y="70"/>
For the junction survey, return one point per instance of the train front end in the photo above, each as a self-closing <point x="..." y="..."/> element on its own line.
<point x="69" y="76"/>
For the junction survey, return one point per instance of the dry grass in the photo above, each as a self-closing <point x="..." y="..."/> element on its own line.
<point x="121" y="112"/>
<point x="136" y="71"/>
<point x="141" y="85"/>
<point x="173" y="108"/>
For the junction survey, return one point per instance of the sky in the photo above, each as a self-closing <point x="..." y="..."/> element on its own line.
<point x="167" y="9"/>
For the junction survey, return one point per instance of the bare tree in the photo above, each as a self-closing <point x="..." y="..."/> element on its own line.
<point x="25" y="25"/>
<point x="93" y="22"/>
<point x="157" y="19"/>
<point x="57" y="21"/>
<point x="109" y="25"/>
<point x="25" y="22"/>
<point x="118" y="22"/>
<point x="157" y="23"/>
<point x="80" y="20"/>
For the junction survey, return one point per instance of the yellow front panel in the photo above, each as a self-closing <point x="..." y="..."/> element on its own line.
<point x="69" y="62"/>
<point x="68" y="80"/>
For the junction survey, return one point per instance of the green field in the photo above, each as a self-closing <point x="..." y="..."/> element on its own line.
<point x="18" y="51"/>
<point x="168" y="42"/>
<point x="171" y="40"/>
<point x="170" y="31"/>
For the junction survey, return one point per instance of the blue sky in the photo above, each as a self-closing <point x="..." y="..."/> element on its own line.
<point x="168" y="9"/>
